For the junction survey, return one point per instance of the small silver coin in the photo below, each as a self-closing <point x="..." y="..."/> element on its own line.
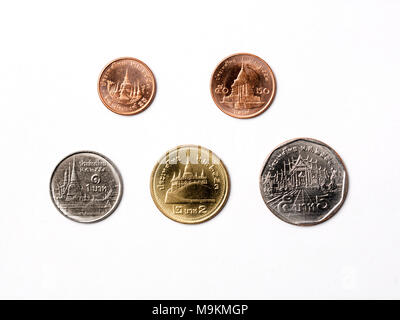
<point x="304" y="182"/>
<point x="86" y="187"/>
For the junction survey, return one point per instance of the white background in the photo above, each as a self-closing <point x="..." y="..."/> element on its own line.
<point x="337" y="70"/>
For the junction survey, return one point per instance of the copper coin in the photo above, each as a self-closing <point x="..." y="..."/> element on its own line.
<point x="126" y="86"/>
<point x="243" y="85"/>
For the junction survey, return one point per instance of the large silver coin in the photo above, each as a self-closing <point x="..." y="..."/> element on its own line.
<point x="304" y="182"/>
<point x="86" y="187"/>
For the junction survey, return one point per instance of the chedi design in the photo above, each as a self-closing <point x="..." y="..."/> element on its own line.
<point x="85" y="187"/>
<point x="91" y="198"/>
<point x="125" y="92"/>
<point x="242" y="91"/>
<point x="189" y="187"/>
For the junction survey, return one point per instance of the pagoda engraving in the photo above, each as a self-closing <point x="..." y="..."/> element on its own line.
<point x="125" y="92"/>
<point x="242" y="91"/>
<point x="189" y="186"/>
<point x="79" y="199"/>
<point x="71" y="188"/>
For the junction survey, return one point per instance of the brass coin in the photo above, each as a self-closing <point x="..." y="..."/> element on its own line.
<point x="189" y="184"/>
<point x="126" y="86"/>
<point x="243" y="86"/>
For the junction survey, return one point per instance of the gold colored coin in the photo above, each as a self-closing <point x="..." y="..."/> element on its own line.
<point x="189" y="184"/>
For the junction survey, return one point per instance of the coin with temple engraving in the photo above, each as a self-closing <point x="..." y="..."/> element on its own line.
<point x="189" y="184"/>
<point x="243" y="85"/>
<point x="304" y="182"/>
<point x="126" y="86"/>
<point x="86" y="187"/>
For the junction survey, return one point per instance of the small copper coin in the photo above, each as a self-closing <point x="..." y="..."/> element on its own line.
<point x="243" y="86"/>
<point x="126" y="86"/>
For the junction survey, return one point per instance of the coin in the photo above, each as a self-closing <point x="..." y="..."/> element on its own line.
<point x="189" y="184"/>
<point x="86" y="187"/>
<point x="243" y="85"/>
<point x="126" y="86"/>
<point x="304" y="182"/>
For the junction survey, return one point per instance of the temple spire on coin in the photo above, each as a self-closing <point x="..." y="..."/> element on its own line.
<point x="126" y="78"/>
<point x="188" y="171"/>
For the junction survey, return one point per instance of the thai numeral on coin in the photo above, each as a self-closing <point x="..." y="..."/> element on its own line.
<point x="95" y="179"/>
<point x="182" y="210"/>
<point x="262" y="91"/>
<point x="221" y="89"/>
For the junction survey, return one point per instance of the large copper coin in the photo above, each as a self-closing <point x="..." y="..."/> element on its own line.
<point x="243" y="85"/>
<point x="189" y="184"/>
<point x="126" y="86"/>
<point x="304" y="182"/>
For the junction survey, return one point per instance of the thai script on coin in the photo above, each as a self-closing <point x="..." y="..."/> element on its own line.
<point x="126" y="86"/>
<point x="243" y="85"/>
<point x="304" y="182"/>
<point x="86" y="187"/>
<point x="189" y="184"/>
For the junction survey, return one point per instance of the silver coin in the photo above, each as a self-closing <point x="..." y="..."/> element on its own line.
<point x="86" y="187"/>
<point x="304" y="182"/>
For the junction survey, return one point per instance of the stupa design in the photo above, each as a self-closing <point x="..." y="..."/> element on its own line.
<point x="125" y="92"/>
<point x="74" y="194"/>
<point x="71" y="188"/>
<point x="242" y="92"/>
<point x="189" y="187"/>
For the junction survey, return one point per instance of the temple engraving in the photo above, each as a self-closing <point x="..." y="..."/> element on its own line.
<point x="300" y="185"/>
<point x="125" y="92"/>
<point x="82" y="195"/>
<point x="189" y="187"/>
<point x="303" y="182"/>
<point x="243" y="91"/>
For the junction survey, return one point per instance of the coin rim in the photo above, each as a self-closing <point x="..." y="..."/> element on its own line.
<point x="264" y="108"/>
<point x="117" y="202"/>
<point x="208" y="217"/>
<point x="138" y="110"/>
<point x="344" y="192"/>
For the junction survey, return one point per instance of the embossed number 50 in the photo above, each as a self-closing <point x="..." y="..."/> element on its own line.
<point x="262" y="91"/>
